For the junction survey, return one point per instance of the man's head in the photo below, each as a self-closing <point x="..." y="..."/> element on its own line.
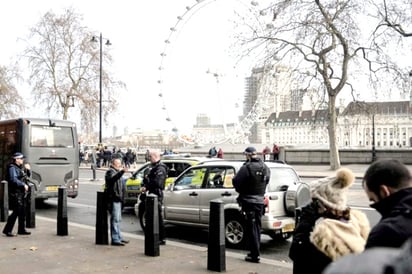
<point x="117" y="163"/>
<point x="385" y="177"/>
<point x="154" y="155"/>
<point x="250" y="152"/>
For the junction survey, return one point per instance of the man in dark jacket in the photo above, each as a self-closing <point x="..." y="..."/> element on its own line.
<point x="388" y="183"/>
<point x="154" y="183"/>
<point x="114" y="190"/>
<point x="250" y="182"/>
<point x="17" y="187"/>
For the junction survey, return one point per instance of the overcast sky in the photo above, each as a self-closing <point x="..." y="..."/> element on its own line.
<point x="137" y="31"/>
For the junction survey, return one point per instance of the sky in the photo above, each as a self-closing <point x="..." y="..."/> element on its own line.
<point x="137" y="31"/>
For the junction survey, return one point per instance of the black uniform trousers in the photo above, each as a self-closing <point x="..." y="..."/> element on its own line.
<point x="18" y="203"/>
<point x="254" y="214"/>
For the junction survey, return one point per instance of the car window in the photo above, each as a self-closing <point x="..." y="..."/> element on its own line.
<point x="192" y="178"/>
<point x="139" y="174"/>
<point x="220" y="177"/>
<point x="281" y="179"/>
<point x="175" y="169"/>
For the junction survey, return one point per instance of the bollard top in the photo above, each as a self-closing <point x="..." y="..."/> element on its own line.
<point x="216" y="201"/>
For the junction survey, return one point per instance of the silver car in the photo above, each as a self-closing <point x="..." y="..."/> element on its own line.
<point x="187" y="200"/>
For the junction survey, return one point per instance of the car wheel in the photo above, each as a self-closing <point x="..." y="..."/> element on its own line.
<point x="235" y="231"/>
<point x="142" y="216"/>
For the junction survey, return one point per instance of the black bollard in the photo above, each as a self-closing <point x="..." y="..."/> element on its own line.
<point x="216" y="258"/>
<point x="31" y="208"/>
<point x="62" y="212"/>
<point x="4" y="201"/>
<point x="102" y="236"/>
<point x="151" y="232"/>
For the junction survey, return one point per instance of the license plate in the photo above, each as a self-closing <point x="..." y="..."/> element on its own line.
<point x="288" y="228"/>
<point x="133" y="187"/>
<point x="52" y="188"/>
<point x="131" y="194"/>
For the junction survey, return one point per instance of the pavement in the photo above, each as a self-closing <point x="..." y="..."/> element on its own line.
<point x="45" y="252"/>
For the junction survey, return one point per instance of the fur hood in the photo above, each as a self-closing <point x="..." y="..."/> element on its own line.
<point x="336" y="238"/>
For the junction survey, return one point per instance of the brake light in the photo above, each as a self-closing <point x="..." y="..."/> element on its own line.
<point x="266" y="203"/>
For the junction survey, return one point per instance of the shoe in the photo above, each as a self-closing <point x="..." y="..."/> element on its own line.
<point x="251" y="259"/>
<point x="118" y="243"/>
<point x="24" y="233"/>
<point x="162" y="242"/>
<point x="125" y="241"/>
<point x="8" y="234"/>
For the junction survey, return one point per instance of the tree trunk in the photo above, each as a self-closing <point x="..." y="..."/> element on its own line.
<point x="334" y="152"/>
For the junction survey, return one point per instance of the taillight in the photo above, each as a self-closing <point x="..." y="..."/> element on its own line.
<point x="266" y="203"/>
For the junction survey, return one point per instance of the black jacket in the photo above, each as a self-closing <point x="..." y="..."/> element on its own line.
<point x="395" y="226"/>
<point x="306" y="257"/>
<point x="251" y="180"/>
<point x="155" y="181"/>
<point x="114" y="185"/>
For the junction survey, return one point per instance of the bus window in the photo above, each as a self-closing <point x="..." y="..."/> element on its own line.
<point x="44" y="136"/>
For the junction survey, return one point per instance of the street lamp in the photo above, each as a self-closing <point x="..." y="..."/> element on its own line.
<point x="100" y="39"/>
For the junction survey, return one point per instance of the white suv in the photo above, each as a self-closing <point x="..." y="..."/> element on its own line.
<point x="187" y="200"/>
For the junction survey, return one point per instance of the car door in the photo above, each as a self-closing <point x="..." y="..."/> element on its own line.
<point x="218" y="185"/>
<point x="181" y="203"/>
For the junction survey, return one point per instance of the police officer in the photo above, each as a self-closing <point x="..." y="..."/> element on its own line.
<point x="18" y="189"/>
<point x="250" y="182"/>
<point x="154" y="183"/>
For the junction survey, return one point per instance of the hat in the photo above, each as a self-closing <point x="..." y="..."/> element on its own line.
<point x="250" y="150"/>
<point x="331" y="191"/>
<point x="18" y="155"/>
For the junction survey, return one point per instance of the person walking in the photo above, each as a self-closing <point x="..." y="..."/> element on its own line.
<point x="327" y="229"/>
<point x="275" y="152"/>
<point x="154" y="183"/>
<point x="18" y="189"/>
<point x="250" y="182"/>
<point x="220" y="153"/>
<point x="114" y="190"/>
<point x="388" y="184"/>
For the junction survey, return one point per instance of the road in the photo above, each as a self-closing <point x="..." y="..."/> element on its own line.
<point x="83" y="210"/>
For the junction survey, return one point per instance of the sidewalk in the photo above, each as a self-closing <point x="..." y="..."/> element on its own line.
<point x="45" y="252"/>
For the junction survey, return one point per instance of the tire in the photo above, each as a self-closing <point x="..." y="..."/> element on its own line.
<point x="235" y="228"/>
<point x="142" y="216"/>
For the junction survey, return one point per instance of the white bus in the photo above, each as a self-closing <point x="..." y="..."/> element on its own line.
<point x="50" y="147"/>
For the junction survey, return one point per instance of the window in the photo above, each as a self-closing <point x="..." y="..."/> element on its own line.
<point x="193" y="178"/>
<point x="45" y="136"/>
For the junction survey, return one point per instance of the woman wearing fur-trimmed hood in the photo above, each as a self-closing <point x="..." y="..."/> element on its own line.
<point x="328" y="229"/>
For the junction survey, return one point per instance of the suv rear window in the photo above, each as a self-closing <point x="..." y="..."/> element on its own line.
<point x="281" y="179"/>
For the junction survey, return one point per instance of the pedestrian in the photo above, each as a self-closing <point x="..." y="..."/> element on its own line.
<point x="114" y="190"/>
<point x="388" y="184"/>
<point x="275" y="152"/>
<point x="154" y="183"/>
<point x="16" y="176"/>
<point x="250" y="182"/>
<point x="147" y="156"/>
<point x="327" y="228"/>
<point x="266" y="153"/>
<point x="212" y="152"/>
<point x="220" y="153"/>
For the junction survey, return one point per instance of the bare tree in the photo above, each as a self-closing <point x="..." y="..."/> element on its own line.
<point x="65" y="67"/>
<point x="324" y="44"/>
<point x="396" y="15"/>
<point x="11" y="102"/>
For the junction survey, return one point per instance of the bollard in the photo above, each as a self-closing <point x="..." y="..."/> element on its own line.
<point x="216" y="258"/>
<point x="102" y="236"/>
<point x="31" y="208"/>
<point x="4" y="201"/>
<point x="62" y="212"/>
<point x="151" y="232"/>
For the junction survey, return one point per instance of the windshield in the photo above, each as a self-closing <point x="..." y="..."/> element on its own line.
<point x="45" y="136"/>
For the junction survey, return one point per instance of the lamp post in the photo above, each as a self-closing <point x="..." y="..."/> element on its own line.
<point x="100" y="39"/>
<point x="373" y="139"/>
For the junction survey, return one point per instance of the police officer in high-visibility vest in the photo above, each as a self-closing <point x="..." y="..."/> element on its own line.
<point x="250" y="182"/>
